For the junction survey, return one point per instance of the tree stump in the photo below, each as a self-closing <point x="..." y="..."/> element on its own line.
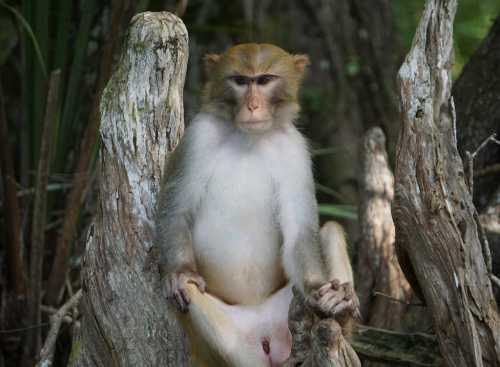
<point x="434" y="215"/>
<point x="126" y="321"/>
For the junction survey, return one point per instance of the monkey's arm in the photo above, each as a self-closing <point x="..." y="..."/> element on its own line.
<point x="173" y="237"/>
<point x="317" y="264"/>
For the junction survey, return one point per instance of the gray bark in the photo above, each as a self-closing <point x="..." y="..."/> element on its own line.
<point x="434" y="214"/>
<point x="126" y="321"/>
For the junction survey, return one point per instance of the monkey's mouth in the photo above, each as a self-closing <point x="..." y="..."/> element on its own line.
<point x="255" y="125"/>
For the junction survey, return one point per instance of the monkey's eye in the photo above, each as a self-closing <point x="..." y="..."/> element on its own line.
<point x="264" y="79"/>
<point x="240" y="79"/>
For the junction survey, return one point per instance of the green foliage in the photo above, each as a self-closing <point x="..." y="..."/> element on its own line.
<point x="472" y="22"/>
<point x="339" y="211"/>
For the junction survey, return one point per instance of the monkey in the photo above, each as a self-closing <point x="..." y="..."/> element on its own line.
<point x="237" y="223"/>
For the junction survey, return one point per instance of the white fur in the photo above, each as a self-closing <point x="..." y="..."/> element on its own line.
<point x="251" y="197"/>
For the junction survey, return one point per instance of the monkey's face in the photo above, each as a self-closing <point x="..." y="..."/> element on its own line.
<point x="256" y="98"/>
<point x="254" y="85"/>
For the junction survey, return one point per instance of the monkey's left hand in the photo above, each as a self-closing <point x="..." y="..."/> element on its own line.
<point x="336" y="300"/>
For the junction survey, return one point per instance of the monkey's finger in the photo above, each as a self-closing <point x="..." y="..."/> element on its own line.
<point x="348" y="290"/>
<point x="199" y="282"/>
<point x="181" y="304"/>
<point x="325" y="288"/>
<point x="185" y="296"/>
<point x="335" y="284"/>
<point x="344" y="307"/>
<point x="329" y="301"/>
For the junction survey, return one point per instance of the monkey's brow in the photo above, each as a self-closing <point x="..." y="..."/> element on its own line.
<point x="249" y="79"/>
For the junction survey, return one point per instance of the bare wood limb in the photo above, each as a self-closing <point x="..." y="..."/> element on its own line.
<point x="433" y="210"/>
<point x="47" y="352"/>
<point x="471" y="156"/>
<point x="16" y="268"/>
<point x="126" y="319"/>
<point x="32" y="345"/>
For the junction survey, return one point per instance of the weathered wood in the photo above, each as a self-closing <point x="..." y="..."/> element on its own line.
<point x="125" y="317"/>
<point x="394" y="348"/>
<point x="433" y="210"/>
<point x="317" y="342"/>
<point x="379" y="268"/>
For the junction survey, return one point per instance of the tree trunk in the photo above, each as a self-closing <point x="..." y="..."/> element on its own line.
<point x="376" y="252"/>
<point x="477" y="97"/>
<point x="434" y="214"/>
<point x="126" y="321"/>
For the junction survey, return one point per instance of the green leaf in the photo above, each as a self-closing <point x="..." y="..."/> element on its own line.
<point x="339" y="211"/>
<point x="28" y="30"/>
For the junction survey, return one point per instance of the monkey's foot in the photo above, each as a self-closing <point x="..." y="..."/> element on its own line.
<point x="176" y="287"/>
<point x="335" y="300"/>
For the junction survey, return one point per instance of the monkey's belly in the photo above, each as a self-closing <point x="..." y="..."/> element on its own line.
<point x="241" y="263"/>
<point x="236" y="237"/>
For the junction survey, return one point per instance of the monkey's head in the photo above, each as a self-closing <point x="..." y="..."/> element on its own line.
<point x="254" y="85"/>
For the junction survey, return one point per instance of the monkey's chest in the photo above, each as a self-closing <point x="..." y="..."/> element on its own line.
<point x="235" y="234"/>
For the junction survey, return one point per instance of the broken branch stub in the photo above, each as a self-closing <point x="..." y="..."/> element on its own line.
<point x="433" y="210"/>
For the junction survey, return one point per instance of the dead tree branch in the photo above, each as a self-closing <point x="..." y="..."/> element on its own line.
<point x="47" y="352"/>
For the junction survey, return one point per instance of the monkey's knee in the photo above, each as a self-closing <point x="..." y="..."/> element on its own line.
<point x="334" y="245"/>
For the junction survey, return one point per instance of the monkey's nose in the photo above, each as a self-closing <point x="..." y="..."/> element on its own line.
<point x="252" y="106"/>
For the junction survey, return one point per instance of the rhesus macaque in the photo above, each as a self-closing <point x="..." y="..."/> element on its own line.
<point x="237" y="217"/>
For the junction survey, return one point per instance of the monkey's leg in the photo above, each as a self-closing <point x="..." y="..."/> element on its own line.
<point x="229" y="335"/>
<point x="334" y="249"/>
<point x="336" y="298"/>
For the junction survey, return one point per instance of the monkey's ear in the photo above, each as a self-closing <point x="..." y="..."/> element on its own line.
<point x="301" y="61"/>
<point x="211" y="61"/>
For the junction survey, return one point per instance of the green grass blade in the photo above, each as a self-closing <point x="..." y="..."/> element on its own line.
<point x="30" y="33"/>
<point x="339" y="211"/>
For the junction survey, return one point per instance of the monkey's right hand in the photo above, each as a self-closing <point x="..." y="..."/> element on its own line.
<point x="176" y="287"/>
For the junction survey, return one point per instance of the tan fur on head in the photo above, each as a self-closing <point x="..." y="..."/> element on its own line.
<point x="252" y="59"/>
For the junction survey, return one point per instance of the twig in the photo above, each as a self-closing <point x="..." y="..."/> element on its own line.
<point x="39" y="215"/>
<point x="47" y="352"/>
<point x="495" y="280"/>
<point x="398" y="300"/>
<point x="20" y="329"/>
<point x="472" y="156"/>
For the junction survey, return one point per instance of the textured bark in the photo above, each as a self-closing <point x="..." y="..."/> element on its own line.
<point x="60" y="263"/>
<point x="126" y="321"/>
<point x="433" y="210"/>
<point x="477" y="97"/>
<point x="376" y="252"/>
<point x="317" y="342"/>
